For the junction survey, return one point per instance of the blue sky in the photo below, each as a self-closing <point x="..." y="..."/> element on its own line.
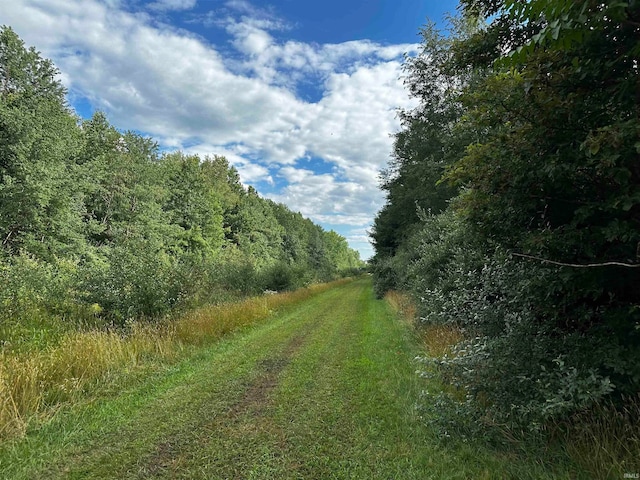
<point x="300" y="96"/>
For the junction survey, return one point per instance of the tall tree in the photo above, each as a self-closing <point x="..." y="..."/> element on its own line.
<point x="124" y="190"/>
<point x="536" y="259"/>
<point x="555" y="180"/>
<point x="193" y="204"/>
<point x="255" y="229"/>
<point x="39" y="141"/>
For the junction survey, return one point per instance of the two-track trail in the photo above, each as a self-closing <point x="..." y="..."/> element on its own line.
<point x="326" y="389"/>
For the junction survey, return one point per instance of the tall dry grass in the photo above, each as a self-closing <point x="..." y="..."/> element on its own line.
<point x="438" y="340"/>
<point x="209" y="323"/>
<point x="604" y="439"/>
<point x="35" y="383"/>
<point x="403" y="304"/>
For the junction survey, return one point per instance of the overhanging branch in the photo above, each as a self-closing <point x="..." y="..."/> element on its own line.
<point x="578" y="265"/>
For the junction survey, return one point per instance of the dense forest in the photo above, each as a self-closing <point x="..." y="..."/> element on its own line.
<point x="513" y="207"/>
<point x="96" y="222"/>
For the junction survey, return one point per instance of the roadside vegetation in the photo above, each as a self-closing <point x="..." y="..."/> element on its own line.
<point x="509" y="245"/>
<point x="98" y="227"/>
<point x="513" y="223"/>
<point x="112" y="251"/>
<point x="34" y="384"/>
<point x="325" y="389"/>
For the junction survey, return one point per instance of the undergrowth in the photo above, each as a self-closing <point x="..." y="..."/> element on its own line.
<point x="601" y="441"/>
<point x="604" y="439"/>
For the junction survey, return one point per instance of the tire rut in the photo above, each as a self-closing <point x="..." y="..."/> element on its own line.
<point x="247" y="412"/>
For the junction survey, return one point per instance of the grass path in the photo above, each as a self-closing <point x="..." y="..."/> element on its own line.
<point x="325" y="390"/>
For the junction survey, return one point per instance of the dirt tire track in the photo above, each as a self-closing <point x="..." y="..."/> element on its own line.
<point x="253" y="405"/>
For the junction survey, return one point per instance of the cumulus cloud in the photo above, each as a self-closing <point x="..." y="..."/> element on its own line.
<point x="290" y="62"/>
<point x="174" y="85"/>
<point x="326" y="198"/>
<point x="172" y="5"/>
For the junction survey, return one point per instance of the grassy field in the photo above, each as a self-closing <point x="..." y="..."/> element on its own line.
<point x="325" y="389"/>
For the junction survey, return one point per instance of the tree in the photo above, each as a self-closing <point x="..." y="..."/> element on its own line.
<point x="425" y="146"/>
<point x="536" y="259"/>
<point x="193" y="204"/>
<point x="556" y="176"/>
<point x="39" y="141"/>
<point x="124" y="189"/>
<point x="90" y="214"/>
<point x="255" y="229"/>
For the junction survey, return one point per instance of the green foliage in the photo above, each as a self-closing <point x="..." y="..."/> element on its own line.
<point x="38" y="143"/>
<point x="193" y="204"/>
<point x="134" y="280"/>
<point x="517" y="364"/>
<point x="95" y="222"/>
<point x="425" y="146"/>
<point x="255" y="230"/>
<point x="536" y="257"/>
<point x="31" y="287"/>
<point x="283" y="276"/>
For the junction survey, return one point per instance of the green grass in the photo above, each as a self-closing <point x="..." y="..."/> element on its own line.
<point x="326" y="389"/>
<point x="34" y="381"/>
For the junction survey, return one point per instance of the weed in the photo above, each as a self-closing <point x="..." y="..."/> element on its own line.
<point x="604" y="439"/>
<point x="439" y="340"/>
<point x="403" y="304"/>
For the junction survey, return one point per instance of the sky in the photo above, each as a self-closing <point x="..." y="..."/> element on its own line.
<point x="300" y="96"/>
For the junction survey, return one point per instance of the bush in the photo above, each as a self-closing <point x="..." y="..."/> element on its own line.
<point x="283" y="276"/>
<point x="533" y="349"/>
<point x="29" y="285"/>
<point x="133" y="280"/>
<point x="386" y="275"/>
<point x="39" y="302"/>
<point x="238" y="273"/>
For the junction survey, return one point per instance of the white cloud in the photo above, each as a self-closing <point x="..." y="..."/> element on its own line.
<point x="252" y="41"/>
<point x="173" y="85"/>
<point x="172" y="5"/>
<point x="289" y="62"/>
<point x="250" y="172"/>
<point x="243" y="6"/>
<point x="327" y="199"/>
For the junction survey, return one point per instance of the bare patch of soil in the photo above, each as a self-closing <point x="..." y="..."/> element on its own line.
<point x="250" y="409"/>
<point x="258" y="393"/>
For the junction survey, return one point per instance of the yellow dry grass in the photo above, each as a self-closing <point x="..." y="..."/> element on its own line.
<point x="403" y="304"/>
<point x="438" y="340"/>
<point x="34" y="383"/>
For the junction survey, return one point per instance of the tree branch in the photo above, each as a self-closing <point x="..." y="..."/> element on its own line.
<point x="578" y="265"/>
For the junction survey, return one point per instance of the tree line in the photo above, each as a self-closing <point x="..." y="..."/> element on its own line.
<point x="96" y="221"/>
<point x="513" y="205"/>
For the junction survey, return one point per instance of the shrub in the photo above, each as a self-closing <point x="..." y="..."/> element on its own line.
<point x="134" y="280"/>
<point x="533" y="349"/>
